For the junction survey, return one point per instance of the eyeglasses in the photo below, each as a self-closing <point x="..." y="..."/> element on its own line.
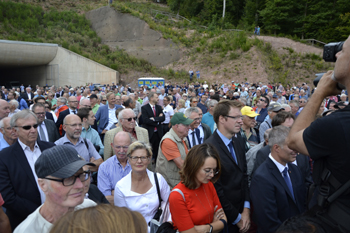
<point x="235" y="117"/>
<point x="8" y="128"/>
<point x="131" y="118"/>
<point x="40" y="113"/>
<point x="71" y="180"/>
<point x="301" y="102"/>
<point x="262" y="100"/>
<point x="121" y="147"/>
<point x="194" y="101"/>
<point x="210" y="171"/>
<point x="73" y="102"/>
<point x="28" y="127"/>
<point x="197" y="119"/>
<point x="104" y="100"/>
<point x="75" y="125"/>
<point x="136" y="158"/>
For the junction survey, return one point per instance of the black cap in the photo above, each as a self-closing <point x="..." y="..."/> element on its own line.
<point x="61" y="161"/>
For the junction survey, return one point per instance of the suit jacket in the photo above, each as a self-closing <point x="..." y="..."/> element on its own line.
<point x="25" y="97"/>
<point x="49" y="116"/>
<point x="141" y="133"/>
<point x="17" y="183"/>
<point x="232" y="186"/>
<point x="148" y="124"/>
<point x="52" y="130"/>
<point x="273" y="202"/>
<point x="102" y="117"/>
<point x="207" y="131"/>
<point x="302" y="162"/>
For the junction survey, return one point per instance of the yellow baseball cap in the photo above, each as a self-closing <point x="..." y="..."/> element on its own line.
<point x="248" y="111"/>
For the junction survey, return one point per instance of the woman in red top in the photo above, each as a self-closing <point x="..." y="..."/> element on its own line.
<point x="199" y="209"/>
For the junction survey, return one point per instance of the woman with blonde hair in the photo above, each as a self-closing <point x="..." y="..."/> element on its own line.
<point x="101" y="218"/>
<point x="138" y="190"/>
<point x="181" y="106"/>
<point x="194" y="204"/>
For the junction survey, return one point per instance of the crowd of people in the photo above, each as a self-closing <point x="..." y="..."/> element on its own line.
<point x="218" y="156"/>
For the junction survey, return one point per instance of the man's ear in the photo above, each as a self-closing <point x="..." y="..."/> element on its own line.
<point x="43" y="184"/>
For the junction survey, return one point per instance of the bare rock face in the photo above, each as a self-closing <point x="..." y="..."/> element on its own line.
<point x="133" y="35"/>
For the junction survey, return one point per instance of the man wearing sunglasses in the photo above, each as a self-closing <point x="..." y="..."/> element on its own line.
<point x="62" y="178"/>
<point x="18" y="182"/>
<point x="127" y="123"/>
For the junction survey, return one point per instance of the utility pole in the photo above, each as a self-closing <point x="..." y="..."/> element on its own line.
<point x="223" y="11"/>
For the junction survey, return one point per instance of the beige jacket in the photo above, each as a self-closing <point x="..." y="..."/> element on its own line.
<point x="168" y="169"/>
<point x="141" y="133"/>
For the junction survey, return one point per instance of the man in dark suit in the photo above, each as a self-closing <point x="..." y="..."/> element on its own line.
<point x="152" y="116"/>
<point x="47" y="130"/>
<point x="199" y="132"/>
<point x="232" y="186"/>
<point x="105" y="115"/>
<point x="28" y="96"/>
<point x="278" y="189"/>
<point x="72" y="109"/>
<point x="302" y="161"/>
<point x="18" y="181"/>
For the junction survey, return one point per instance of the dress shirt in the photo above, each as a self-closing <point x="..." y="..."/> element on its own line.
<point x="29" y="96"/>
<point x="112" y="119"/>
<point x="279" y="166"/>
<point x="43" y="126"/>
<point x="32" y="156"/>
<point x="226" y="141"/>
<point x="81" y="148"/>
<point x="190" y="131"/>
<point x="168" y="112"/>
<point x="109" y="173"/>
<point x="3" y="144"/>
<point x="94" y="137"/>
<point x="72" y="111"/>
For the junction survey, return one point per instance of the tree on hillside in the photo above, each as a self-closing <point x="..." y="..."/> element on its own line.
<point x="252" y="10"/>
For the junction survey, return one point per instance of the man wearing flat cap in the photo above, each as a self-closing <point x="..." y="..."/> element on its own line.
<point x="272" y="111"/>
<point x="62" y="178"/>
<point x="173" y="149"/>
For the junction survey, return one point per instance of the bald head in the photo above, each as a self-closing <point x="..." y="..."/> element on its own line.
<point x="4" y="108"/>
<point x="73" y="126"/>
<point x="120" y="145"/>
<point x="85" y="103"/>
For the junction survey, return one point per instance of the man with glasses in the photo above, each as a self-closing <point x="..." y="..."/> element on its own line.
<point x="232" y="186"/>
<point x="47" y="130"/>
<point x="73" y="127"/>
<point x="173" y="149"/>
<point x="262" y="104"/>
<point x="199" y="131"/>
<point x="18" y="182"/>
<point x="127" y="124"/>
<point x="10" y="135"/>
<point x="84" y="103"/>
<point x="62" y="178"/>
<point x="116" y="167"/>
<point x="72" y="109"/>
<point x="88" y="118"/>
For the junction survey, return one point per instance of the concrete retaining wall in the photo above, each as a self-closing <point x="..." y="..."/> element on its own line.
<point x="134" y="35"/>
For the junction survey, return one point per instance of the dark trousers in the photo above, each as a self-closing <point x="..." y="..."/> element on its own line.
<point x="155" y="140"/>
<point x="165" y="128"/>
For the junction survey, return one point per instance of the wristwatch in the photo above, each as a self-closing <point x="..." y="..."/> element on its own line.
<point x="211" y="228"/>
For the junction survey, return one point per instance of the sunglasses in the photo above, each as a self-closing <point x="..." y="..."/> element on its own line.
<point x="28" y="127"/>
<point x="131" y="118"/>
<point x="262" y="100"/>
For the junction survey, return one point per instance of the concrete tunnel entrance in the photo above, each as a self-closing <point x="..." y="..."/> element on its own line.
<point x="49" y="64"/>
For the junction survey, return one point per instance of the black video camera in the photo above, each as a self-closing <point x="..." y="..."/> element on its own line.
<point x="329" y="52"/>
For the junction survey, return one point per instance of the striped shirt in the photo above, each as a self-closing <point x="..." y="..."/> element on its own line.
<point x="109" y="173"/>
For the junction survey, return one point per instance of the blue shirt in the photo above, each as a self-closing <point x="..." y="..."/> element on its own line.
<point x="3" y="144"/>
<point x="94" y="137"/>
<point x="209" y="120"/>
<point x="109" y="173"/>
<point x="226" y="141"/>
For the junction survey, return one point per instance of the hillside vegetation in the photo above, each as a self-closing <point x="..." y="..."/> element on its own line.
<point x="220" y="55"/>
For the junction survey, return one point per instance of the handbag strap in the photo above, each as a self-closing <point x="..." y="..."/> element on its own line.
<point x="158" y="190"/>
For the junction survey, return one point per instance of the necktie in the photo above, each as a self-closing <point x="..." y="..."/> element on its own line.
<point x="232" y="151"/>
<point x="74" y="112"/>
<point x="193" y="139"/>
<point x="154" y="112"/>
<point x="42" y="134"/>
<point x="287" y="180"/>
